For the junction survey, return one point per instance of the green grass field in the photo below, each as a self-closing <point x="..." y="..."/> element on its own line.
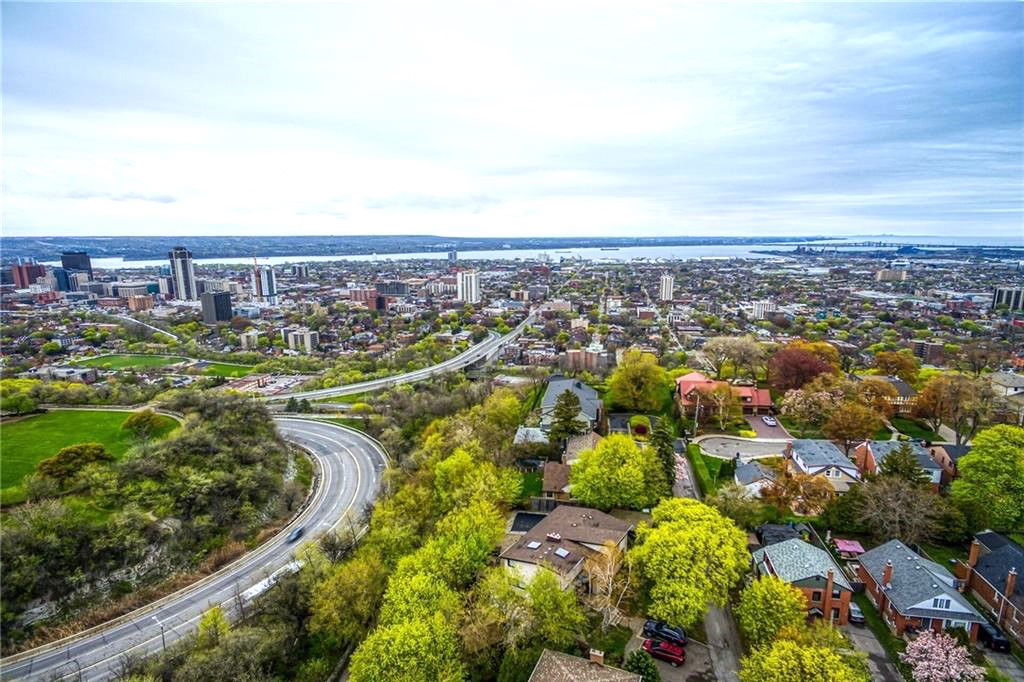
<point x="224" y="369"/>
<point x="26" y="442"/>
<point x="130" y="361"/>
<point x="915" y="429"/>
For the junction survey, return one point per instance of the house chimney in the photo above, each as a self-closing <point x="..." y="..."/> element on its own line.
<point x="597" y="656"/>
<point x="887" y="575"/>
<point x="972" y="558"/>
<point x="1011" y="581"/>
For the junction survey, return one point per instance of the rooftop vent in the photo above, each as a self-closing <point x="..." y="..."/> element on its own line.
<point x="532" y="544"/>
<point x="554" y="537"/>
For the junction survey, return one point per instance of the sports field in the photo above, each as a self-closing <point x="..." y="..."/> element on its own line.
<point x="130" y="361"/>
<point x="225" y="369"/>
<point x="26" y="442"/>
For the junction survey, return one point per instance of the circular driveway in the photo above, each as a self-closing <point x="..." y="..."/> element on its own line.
<point x="727" y="447"/>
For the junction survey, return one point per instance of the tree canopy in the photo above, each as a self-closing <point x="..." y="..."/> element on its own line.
<point x="619" y="473"/>
<point x="991" y="477"/>
<point x="767" y="605"/>
<point x="639" y="383"/>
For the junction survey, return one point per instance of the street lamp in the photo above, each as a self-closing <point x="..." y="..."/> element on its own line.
<point x="163" y="642"/>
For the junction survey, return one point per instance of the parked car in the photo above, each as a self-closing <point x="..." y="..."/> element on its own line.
<point x="856" y="615"/>
<point x="295" y="534"/>
<point x="769" y="420"/>
<point x="656" y="629"/>
<point x="993" y="638"/>
<point x="674" y="654"/>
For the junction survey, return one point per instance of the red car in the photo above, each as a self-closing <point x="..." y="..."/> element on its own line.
<point x="665" y="651"/>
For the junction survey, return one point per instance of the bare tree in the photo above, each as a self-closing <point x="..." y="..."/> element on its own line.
<point x="895" y="508"/>
<point x="611" y="581"/>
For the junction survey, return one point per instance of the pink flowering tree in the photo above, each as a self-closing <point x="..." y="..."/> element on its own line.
<point x="937" y="657"/>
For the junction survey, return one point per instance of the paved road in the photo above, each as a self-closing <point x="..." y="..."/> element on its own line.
<point x="726" y="447"/>
<point x="487" y="348"/>
<point x="351" y="465"/>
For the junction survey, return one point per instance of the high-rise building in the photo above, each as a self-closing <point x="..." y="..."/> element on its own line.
<point x="300" y="338"/>
<point x="264" y="284"/>
<point x="76" y="261"/>
<point x="165" y="285"/>
<point x="249" y="339"/>
<point x="26" y="274"/>
<point x="300" y="271"/>
<point x="666" y="292"/>
<point x="138" y="303"/>
<point x="453" y="257"/>
<point x="183" y="274"/>
<point x="468" y="286"/>
<point x="63" y="279"/>
<point x="1012" y="297"/>
<point x="393" y="288"/>
<point x="216" y="307"/>
<point x="764" y="308"/>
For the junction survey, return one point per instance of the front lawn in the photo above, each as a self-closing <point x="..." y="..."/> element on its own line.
<point x="915" y="429"/>
<point x="711" y="472"/>
<point x="28" y="441"/>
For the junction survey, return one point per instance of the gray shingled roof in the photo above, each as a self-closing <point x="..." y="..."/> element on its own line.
<point x="916" y="580"/>
<point x="748" y="472"/>
<point x="590" y="403"/>
<point x="882" y="448"/>
<point x="795" y="560"/>
<point x="816" y="453"/>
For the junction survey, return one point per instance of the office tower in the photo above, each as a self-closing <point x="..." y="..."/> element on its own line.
<point x="25" y="274"/>
<point x="453" y="257"/>
<point x="468" y="286"/>
<point x="79" y="280"/>
<point x="63" y="280"/>
<point x="264" y="284"/>
<point x="1011" y="297"/>
<point x="300" y="271"/>
<point x="183" y="274"/>
<point x="76" y="261"/>
<point x="165" y="285"/>
<point x="764" y="308"/>
<point x="216" y="307"/>
<point x="666" y="292"/>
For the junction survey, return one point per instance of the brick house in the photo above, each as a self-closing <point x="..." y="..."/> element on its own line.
<point x="690" y="387"/>
<point x="991" y="574"/>
<point x="948" y="456"/>
<point x="913" y="593"/>
<point x="869" y="455"/>
<point x="812" y="571"/>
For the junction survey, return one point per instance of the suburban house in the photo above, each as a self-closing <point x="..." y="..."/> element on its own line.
<point x="822" y="458"/>
<point x="754" y="477"/>
<point x="913" y="593"/>
<point x="947" y="456"/>
<point x="1006" y="384"/>
<point x="577" y="445"/>
<point x="813" y="572"/>
<point x="691" y="389"/>
<point x="905" y="397"/>
<point x="991" y="574"/>
<point x="555" y="484"/>
<point x="562" y="541"/>
<point x="591" y="406"/>
<point x="554" y="666"/>
<point x="870" y="454"/>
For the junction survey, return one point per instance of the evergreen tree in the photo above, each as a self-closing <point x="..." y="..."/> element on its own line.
<point x="292" y="405"/>
<point x="641" y="663"/>
<point x="661" y="441"/>
<point x="564" y="419"/>
<point x="901" y="463"/>
<point x="304" y="406"/>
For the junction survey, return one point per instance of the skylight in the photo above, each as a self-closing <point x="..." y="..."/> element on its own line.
<point x="532" y="544"/>
<point x="562" y="552"/>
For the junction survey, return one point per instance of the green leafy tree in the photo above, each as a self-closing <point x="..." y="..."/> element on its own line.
<point x="63" y="466"/>
<point x="618" y="473"/>
<point x="787" y="661"/>
<point x="690" y="557"/>
<point x="991" y="478"/>
<point x="565" y="422"/>
<point x="901" y="463"/>
<point x="213" y="627"/>
<point x="422" y="650"/>
<point x="852" y="423"/>
<point x="641" y="663"/>
<point x="766" y="606"/>
<point x="17" y="403"/>
<point x="346" y="602"/>
<point x="556" y="618"/>
<point x="638" y="383"/>
<point x="143" y="424"/>
<point x="417" y="597"/>
<point x="292" y="405"/>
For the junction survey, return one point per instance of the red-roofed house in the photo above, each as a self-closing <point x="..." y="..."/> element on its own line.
<point x="689" y="386"/>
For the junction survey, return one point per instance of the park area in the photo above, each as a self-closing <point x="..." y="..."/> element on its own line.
<point x="223" y="369"/>
<point x="130" y="361"/>
<point x="29" y="440"/>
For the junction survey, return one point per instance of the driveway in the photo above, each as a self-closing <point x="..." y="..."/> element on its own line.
<point x="727" y="447"/>
<point x="697" y="667"/>
<point x="878" y="662"/>
<point x="1007" y="665"/>
<point x="765" y="431"/>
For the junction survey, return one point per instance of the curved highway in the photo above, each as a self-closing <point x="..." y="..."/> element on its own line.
<point x="484" y="349"/>
<point x="350" y="469"/>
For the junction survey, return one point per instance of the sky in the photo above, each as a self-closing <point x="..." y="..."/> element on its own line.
<point x="513" y="119"/>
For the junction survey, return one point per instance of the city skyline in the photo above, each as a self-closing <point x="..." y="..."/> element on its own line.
<point x="469" y="120"/>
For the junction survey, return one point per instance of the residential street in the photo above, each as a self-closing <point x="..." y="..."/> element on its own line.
<point x="726" y="447"/>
